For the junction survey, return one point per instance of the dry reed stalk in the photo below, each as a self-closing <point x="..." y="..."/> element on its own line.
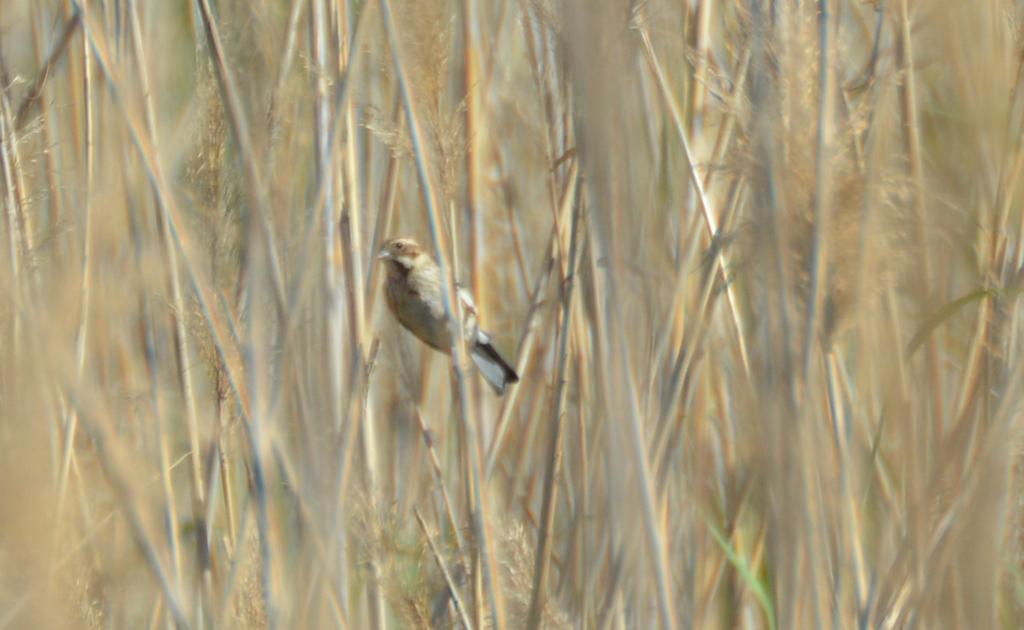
<point x="527" y="341"/>
<point x="240" y="128"/>
<point x="71" y="426"/>
<point x="128" y="492"/>
<point x="554" y="451"/>
<point x="435" y="467"/>
<point x="215" y="319"/>
<point x="459" y="605"/>
<point x="711" y="222"/>
<point x="823" y="189"/>
<point x="31" y="99"/>
<point x="908" y="102"/>
<point x="475" y="477"/>
<point x="181" y="338"/>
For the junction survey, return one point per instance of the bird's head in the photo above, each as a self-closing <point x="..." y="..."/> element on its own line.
<point x="401" y="254"/>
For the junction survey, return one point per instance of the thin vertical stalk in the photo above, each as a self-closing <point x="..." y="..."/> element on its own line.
<point x="385" y="216"/>
<point x="543" y="555"/>
<point x="460" y="607"/>
<point x="124" y="488"/>
<point x="823" y="185"/>
<point x="702" y="46"/>
<point x="922" y="438"/>
<point x="216" y="320"/>
<point x="353" y="256"/>
<point x="528" y="342"/>
<point x="247" y="152"/>
<point x="81" y="341"/>
<point x="50" y="123"/>
<point x="711" y="222"/>
<point x="15" y="244"/>
<point x="181" y="337"/>
<point x="286" y="58"/>
<point x="618" y="397"/>
<point x="257" y="356"/>
<point x="325" y="173"/>
<point x="912" y="139"/>
<point x="478" y="142"/>
<point x="435" y="469"/>
<point x="31" y="99"/>
<point x="436" y="222"/>
<point x="477" y="139"/>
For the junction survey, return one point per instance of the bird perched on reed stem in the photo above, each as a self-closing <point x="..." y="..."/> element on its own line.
<point x="412" y="290"/>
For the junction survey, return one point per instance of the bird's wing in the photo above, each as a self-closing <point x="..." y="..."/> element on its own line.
<point x="468" y="313"/>
<point x="465" y="299"/>
<point x="495" y="370"/>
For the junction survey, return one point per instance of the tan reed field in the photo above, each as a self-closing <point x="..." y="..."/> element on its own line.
<point x="758" y="265"/>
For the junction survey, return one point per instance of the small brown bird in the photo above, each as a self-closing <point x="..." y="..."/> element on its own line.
<point x="413" y="293"/>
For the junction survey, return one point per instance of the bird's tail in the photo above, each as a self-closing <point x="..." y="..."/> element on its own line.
<point x="495" y="369"/>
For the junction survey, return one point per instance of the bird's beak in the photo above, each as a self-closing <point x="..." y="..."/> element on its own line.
<point x="384" y="255"/>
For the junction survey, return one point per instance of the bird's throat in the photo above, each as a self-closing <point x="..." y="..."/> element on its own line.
<point x="398" y="269"/>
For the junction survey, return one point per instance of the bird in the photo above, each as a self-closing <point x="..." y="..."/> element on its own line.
<point x="412" y="290"/>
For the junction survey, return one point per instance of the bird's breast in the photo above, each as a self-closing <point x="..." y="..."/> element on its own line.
<point x="419" y="313"/>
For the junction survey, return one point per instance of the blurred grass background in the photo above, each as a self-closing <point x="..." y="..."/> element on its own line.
<point x="758" y="262"/>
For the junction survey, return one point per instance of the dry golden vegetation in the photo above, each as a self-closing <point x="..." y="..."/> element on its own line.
<point x="759" y="264"/>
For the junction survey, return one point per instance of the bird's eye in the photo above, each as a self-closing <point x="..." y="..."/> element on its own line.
<point x="399" y="246"/>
